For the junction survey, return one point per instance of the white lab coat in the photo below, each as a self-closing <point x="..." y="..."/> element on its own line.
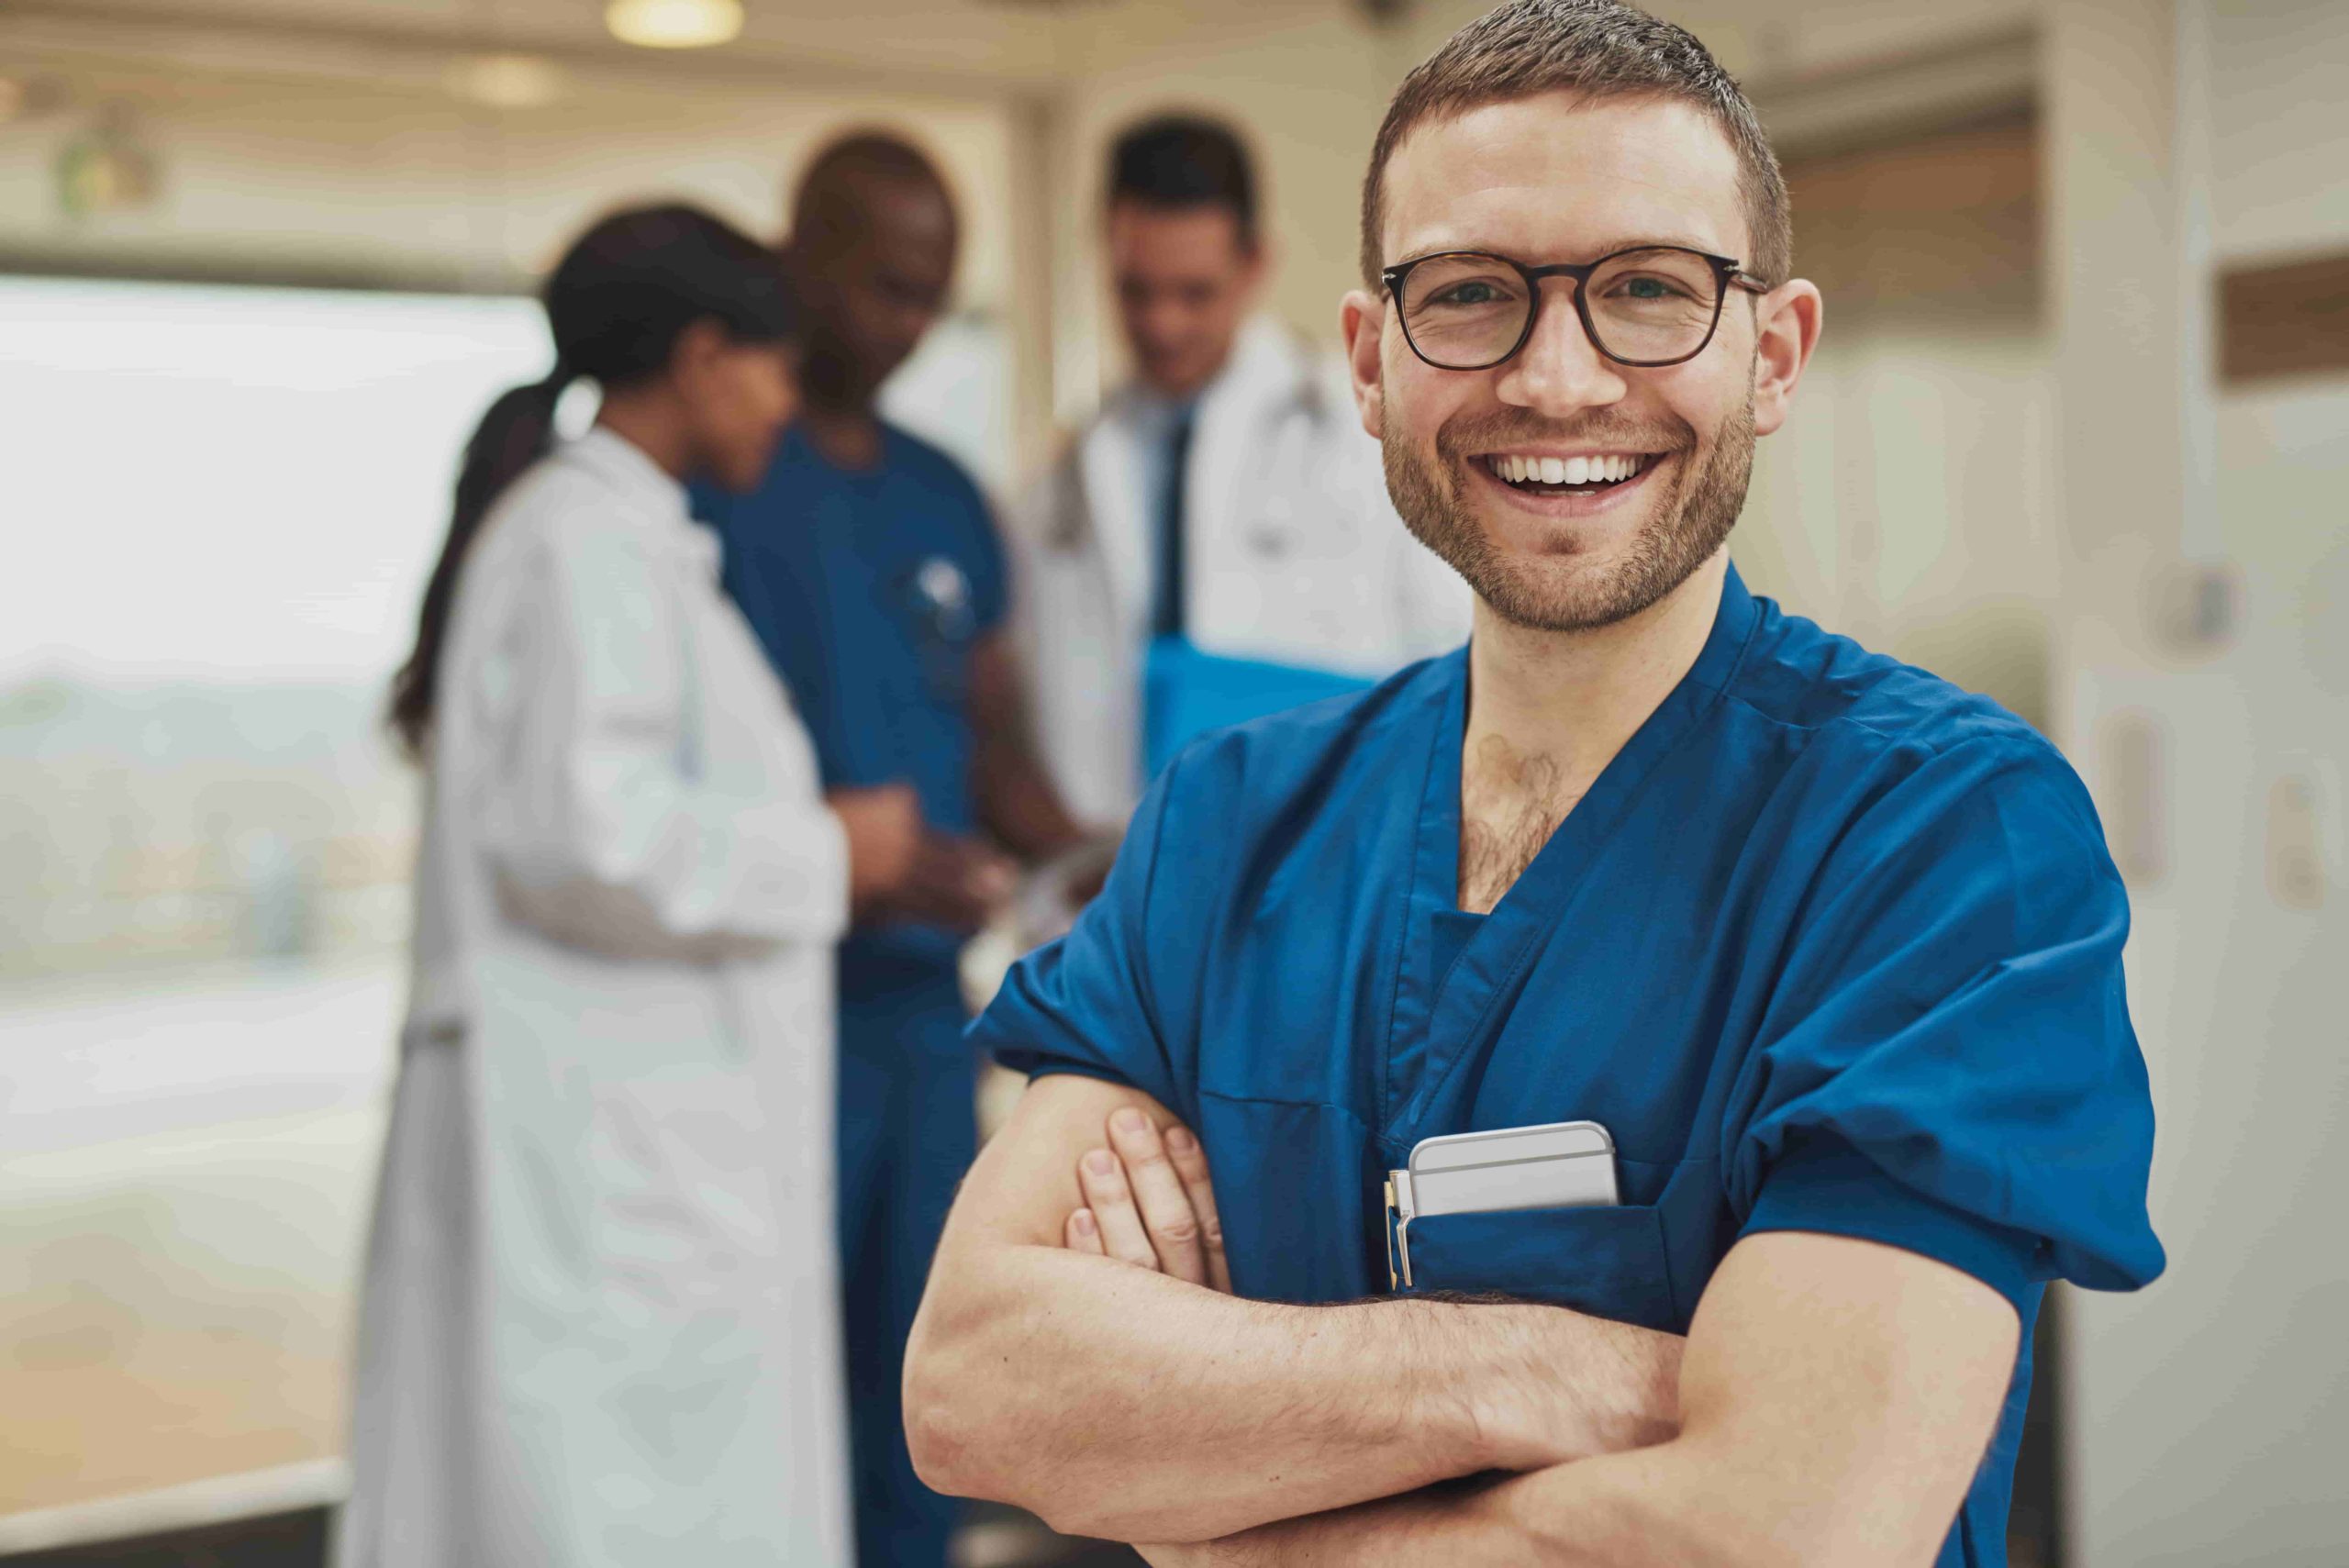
<point x="600" y="1321"/>
<point x="1292" y="555"/>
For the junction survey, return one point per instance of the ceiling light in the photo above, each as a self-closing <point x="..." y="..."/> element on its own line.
<point x="505" y="80"/>
<point x="674" y="24"/>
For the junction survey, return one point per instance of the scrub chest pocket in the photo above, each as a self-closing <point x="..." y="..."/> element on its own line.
<point x="1607" y="1260"/>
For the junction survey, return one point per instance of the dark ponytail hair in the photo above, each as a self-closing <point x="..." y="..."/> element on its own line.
<point x="618" y="302"/>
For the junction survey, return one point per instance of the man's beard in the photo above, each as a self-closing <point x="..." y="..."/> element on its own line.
<point x="1547" y="592"/>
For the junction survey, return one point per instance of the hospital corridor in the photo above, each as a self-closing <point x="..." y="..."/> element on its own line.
<point x="993" y="784"/>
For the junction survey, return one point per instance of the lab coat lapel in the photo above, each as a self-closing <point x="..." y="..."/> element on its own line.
<point x="1244" y="416"/>
<point x="1107" y="460"/>
<point x="1468" y="1004"/>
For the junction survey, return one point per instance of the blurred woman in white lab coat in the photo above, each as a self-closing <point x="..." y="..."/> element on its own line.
<point x="599" y="1324"/>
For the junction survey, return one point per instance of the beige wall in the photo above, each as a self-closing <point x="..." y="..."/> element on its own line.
<point x="302" y="165"/>
<point x="2209" y="1423"/>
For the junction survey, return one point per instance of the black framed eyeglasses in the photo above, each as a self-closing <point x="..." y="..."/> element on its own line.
<point x="1646" y="307"/>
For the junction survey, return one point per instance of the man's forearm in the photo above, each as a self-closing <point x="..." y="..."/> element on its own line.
<point x="1118" y="1402"/>
<point x="1838" y="1397"/>
<point x="1018" y="802"/>
<point x="1658" y="1507"/>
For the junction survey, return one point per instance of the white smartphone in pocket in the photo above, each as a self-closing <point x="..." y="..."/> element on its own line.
<point x="1560" y="1164"/>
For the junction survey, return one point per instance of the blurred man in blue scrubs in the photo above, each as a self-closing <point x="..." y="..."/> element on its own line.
<point x="1829" y="948"/>
<point x="1218" y="544"/>
<point x="869" y="566"/>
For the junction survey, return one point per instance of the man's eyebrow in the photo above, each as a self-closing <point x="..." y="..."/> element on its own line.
<point x="1593" y="252"/>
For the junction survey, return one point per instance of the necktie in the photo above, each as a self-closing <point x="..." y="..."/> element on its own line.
<point x="1167" y="604"/>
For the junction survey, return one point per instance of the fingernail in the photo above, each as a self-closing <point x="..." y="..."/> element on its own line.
<point x="1101" y="1162"/>
<point x="1127" y="1120"/>
<point x="1083" y="1221"/>
<point x="1178" y="1140"/>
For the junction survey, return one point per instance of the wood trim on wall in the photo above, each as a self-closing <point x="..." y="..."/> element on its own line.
<point x="2284" y="318"/>
<point x="1942" y="225"/>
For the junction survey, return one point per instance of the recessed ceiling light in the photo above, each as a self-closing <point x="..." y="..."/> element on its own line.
<point x="674" y="24"/>
<point x="505" y="80"/>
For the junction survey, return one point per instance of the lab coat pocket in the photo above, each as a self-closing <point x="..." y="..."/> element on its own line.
<point x="1609" y="1262"/>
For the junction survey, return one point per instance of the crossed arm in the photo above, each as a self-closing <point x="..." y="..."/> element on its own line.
<point x="1832" y="1401"/>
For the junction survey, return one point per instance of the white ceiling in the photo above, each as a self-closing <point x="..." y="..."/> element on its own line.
<point x="943" y="44"/>
<point x="960" y="46"/>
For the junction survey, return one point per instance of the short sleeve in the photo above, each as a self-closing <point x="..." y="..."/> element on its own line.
<point x="1084" y="1004"/>
<point x="1946" y="1064"/>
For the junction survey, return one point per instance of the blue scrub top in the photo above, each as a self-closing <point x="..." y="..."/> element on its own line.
<point x="1829" y="946"/>
<point x="868" y="590"/>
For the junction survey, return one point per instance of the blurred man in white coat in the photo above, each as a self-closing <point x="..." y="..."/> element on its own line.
<point x="1218" y="544"/>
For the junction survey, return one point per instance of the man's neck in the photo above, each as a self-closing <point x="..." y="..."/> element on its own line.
<point x="846" y="436"/>
<point x="1548" y="710"/>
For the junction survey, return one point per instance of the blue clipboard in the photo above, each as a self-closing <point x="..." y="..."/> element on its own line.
<point x="1187" y="693"/>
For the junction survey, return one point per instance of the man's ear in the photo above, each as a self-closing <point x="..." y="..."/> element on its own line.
<point x="1787" y="323"/>
<point x="695" y="352"/>
<point x="1361" y="324"/>
<point x="1260" y="265"/>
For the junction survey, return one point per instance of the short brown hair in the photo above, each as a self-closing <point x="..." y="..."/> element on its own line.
<point x="1598" y="48"/>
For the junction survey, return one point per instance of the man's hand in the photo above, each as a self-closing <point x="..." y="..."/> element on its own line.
<point x="1149" y="1202"/>
<point x="952" y="880"/>
<point x="883" y="828"/>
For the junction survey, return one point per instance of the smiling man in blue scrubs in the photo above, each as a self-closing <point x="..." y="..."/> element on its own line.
<point x="868" y="565"/>
<point x="1831" y="948"/>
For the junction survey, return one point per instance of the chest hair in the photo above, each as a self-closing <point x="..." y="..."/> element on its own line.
<point x="1510" y="802"/>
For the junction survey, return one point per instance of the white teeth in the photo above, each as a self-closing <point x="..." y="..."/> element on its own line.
<point x="1607" y="470"/>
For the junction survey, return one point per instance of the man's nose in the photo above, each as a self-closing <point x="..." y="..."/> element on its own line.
<point x="1163" y="323"/>
<point x="1560" y="372"/>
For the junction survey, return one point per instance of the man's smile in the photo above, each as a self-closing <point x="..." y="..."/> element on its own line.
<point x="1559" y="485"/>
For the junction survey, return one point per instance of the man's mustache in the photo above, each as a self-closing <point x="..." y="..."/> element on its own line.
<point x="1467" y="435"/>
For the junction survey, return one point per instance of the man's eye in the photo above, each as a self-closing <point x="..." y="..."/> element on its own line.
<point x="1468" y="294"/>
<point x="1649" y="288"/>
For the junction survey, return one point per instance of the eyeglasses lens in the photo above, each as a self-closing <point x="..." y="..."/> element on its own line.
<point x="1467" y="311"/>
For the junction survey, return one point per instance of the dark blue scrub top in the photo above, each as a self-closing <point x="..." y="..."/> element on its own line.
<point x="868" y="590"/>
<point x="1829" y="946"/>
